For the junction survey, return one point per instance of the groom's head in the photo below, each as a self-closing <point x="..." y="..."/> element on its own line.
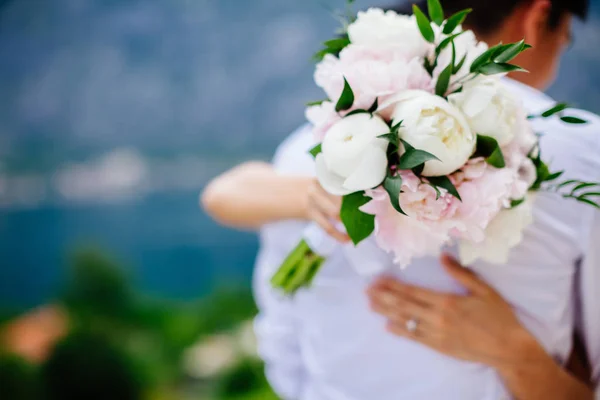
<point x="545" y="24"/>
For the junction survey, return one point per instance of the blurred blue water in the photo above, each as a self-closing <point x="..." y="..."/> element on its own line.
<point x="170" y="248"/>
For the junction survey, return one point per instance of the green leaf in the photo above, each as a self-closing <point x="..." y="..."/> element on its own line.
<point x="315" y="150"/>
<point x="374" y="107"/>
<point x="459" y="66"/>
<point x="316" y="103"/>
<point x="590" y="194"/>
<point x="455" y="20"/>
<point x="360" y="111"/>
<point x="483" y="58"/>
<point x="346" y="99"/>
<point x="358" y="224"/>
<point x="567" y="183"/>
<point x="586" y="201"/>
<point x="393" y="186"/>
<point x="446" y="42"/>
<point x="436" y="12"/>
<point x="499" y="49"/>
<point x="516" y="203"/>
<point x="511" y="52"/>
<point x="424" y="24"/>
<point x="583" y="185"/>
<point x="443" y="82"/>
<point x="413" y="158"/>
<point x="493" y="69"/>
<point x="438" y="193"/>
<point x="396" y="128"/>
<point x="554" y="176"/>
<point x="554" y="110"/>
<point x="496" y="159"/>
<point x="391" y="137"/>
<point x="445" y="183"/>
<point x="573" y="120"/>
<point x="337" y="44"/>
<point x="488" y="148"/>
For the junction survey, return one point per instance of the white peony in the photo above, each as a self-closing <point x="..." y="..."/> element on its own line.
<point x="433" y="125"/>
<point x="353" y="158"/>
<point x="503" y="233"/>
<point x="489" y="107"/>
<point x="374" y="28"/>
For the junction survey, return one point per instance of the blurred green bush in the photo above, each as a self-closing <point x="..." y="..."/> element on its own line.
<point x="124" y="346"/>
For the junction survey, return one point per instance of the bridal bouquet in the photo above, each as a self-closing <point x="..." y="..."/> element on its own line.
<point x="424" y="143"/>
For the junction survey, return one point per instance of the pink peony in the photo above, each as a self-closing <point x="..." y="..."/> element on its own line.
<point x="484" y="190"/>
<point x="372" y="72"/>
<point x="426" y="228"/>
<point x="322" y="117"/>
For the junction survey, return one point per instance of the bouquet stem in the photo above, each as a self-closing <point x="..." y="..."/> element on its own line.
<point x="298" y="270"/>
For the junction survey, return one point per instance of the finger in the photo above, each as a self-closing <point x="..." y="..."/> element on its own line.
<point x="465" y="276"/>
<point x="324" y="202"/>
<point x="329" y="227"/>
<point x="401" y="310"/>
<point x="426" y="297"/>
<point x="420" y="335"/>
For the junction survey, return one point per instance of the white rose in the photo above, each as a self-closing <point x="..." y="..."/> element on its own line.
<point x="503" y="233"/>
<point x="489" y="107"/>
<point x="375" y="28"/>
<point x="433" y="125"/>
<point x="353" y="158"/>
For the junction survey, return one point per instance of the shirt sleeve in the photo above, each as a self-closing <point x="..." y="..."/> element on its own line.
<point x="278" y="325"/>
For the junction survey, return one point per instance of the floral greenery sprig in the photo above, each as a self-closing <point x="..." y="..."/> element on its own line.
<point x="559" y="110"/>
<point x="495" y="60"/>
<point x="570" y="189"/>
<point x="335" y="46"/>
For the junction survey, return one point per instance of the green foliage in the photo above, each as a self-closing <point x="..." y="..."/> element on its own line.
<point x="444" y="183"/>
<point x="346" y="99"/>
<point x="495" y="60"/>
<point x="424" y="24"/>
<point x="555" y="110"/>
<point x="315" y="151"/>
<point x="316" y="103"/>
<point x="455" y="20"/>
<point x="92" y="367"/>
<point x="413" y="158"/>
<point x="333" y="47"/>
<point x="359" y="225"/>
<point x="19" y="380"/>
<point x="572" y="120"/>
<point x="574" y="189"/>
<point x="488" y="148"/>
<point x="559" y="110"/>
<point x="436" y="12"/>
<point x="245" y="381"/>
<point x="393" y="187"/>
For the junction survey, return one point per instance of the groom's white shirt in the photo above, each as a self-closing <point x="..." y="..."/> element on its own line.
<point x="325" y="343"/>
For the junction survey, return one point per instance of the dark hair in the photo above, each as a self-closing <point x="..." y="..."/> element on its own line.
<point x="488" y="15"/>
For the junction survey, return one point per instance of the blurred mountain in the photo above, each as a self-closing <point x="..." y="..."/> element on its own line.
<point x="213" y="79"/>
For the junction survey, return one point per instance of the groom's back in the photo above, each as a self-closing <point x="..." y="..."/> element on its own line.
<point x="345" y="346"/>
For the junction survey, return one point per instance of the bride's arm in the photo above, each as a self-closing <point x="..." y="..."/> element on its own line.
<point x="254" y="194"/>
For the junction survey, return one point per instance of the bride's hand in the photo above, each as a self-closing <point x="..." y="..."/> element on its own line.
<point x="324" y="209"/>
<point x="478" y="327"/>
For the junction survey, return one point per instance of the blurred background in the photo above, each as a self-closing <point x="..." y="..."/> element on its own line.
<point x="113" y="116"/>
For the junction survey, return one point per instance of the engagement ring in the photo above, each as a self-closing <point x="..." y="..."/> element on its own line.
<point x="411" y="325"/>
